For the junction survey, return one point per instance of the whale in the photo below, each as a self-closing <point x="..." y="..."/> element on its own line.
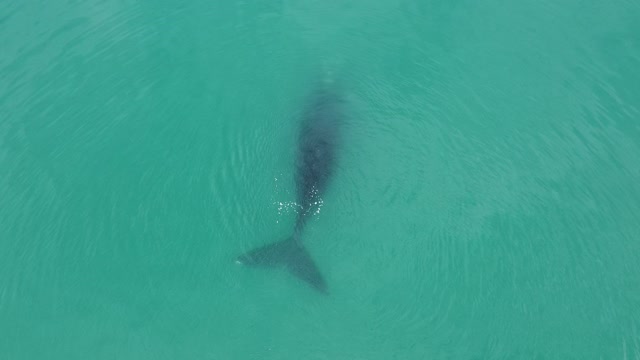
<point x="315" y="162"/>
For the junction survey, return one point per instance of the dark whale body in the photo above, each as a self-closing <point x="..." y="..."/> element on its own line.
<point x="315" y="163"/>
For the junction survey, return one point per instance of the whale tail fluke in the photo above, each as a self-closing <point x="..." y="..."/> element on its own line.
<point x="289" y="254"/>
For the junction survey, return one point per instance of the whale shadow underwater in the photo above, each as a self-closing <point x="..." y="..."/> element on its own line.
<point x="318" y="142"/>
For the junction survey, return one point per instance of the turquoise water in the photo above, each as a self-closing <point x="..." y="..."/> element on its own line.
<point x="486" y="203"/>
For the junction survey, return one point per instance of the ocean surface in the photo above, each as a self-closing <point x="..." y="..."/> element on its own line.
<point x="485" y="204"/>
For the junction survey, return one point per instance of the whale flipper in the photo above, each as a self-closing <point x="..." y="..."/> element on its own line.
<point x="289" y="254"/>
